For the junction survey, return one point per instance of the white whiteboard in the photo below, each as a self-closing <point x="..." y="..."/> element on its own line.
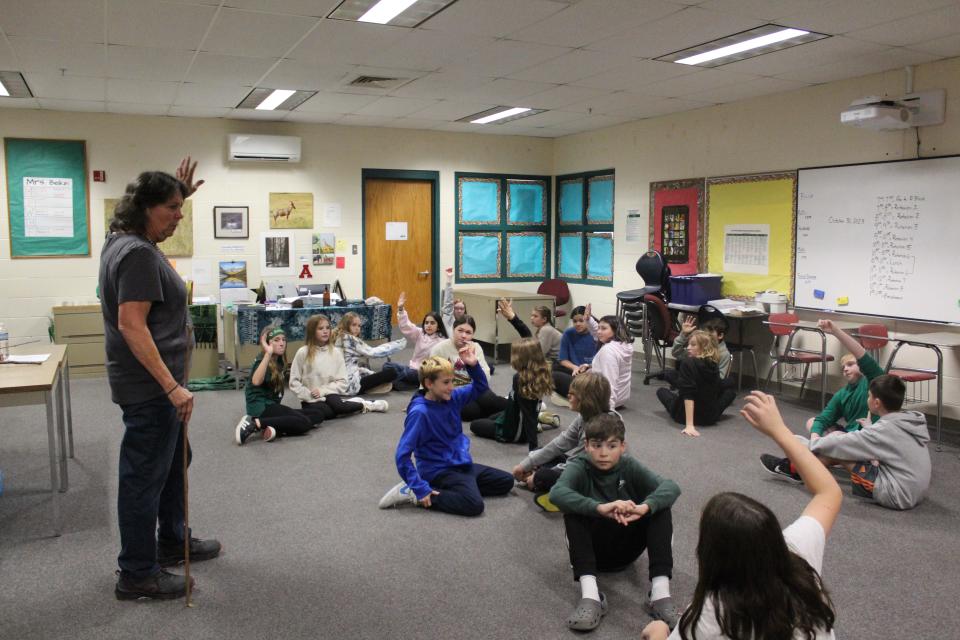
<point x="884" y="236"/>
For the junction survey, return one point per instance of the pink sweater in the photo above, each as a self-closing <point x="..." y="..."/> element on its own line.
<point x="422" y="343"/>
<point x="615" y="361"/>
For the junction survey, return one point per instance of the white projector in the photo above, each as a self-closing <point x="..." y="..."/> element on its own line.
<point x="877" y="114"/>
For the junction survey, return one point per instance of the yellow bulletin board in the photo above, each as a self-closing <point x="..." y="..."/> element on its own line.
<point x="750" y="227"/>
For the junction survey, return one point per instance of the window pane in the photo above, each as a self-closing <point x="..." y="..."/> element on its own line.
<point x="600" y="256"/>
<point x="526" y="254"/>
<point x="525" y="202"/>
<point x="479" y="255"/>
<point x="479" y="201"/>
<point x="600" y="200"/>
<point x="571" y="255"/>
<point x="571" y="202"/>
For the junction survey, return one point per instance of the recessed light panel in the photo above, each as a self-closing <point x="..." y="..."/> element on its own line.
<point x="499" y="115"/>
<point x="13" y="85"/>
<point x="743" y="45"/>
<point x="275" y="99"/>
<point x="396" y="13"/>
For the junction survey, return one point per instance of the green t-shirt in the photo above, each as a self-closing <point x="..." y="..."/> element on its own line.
<point x="260" y="397"/>
<point x="582" y="487"/>
<point x="849" y="403"/>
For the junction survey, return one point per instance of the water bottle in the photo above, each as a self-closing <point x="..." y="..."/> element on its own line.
<point x="4" y="343"/>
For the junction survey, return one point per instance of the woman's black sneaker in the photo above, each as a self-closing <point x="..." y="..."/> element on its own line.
<point x="200" y="550"/>
<point x="162" y="585"/>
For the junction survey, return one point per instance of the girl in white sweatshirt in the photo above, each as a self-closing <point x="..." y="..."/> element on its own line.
<point x="318" y="375"/>
<point x="614" y="359"/>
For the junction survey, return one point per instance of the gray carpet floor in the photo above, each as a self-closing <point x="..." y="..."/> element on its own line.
<point x="309" y="555"/>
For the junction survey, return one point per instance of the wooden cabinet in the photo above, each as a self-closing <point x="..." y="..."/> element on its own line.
<point x="80" y="328"/>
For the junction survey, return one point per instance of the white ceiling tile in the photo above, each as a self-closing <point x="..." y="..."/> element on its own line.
<point x="801" y="56"/>
<point x="592" y="20"/>
<point x="256" y="114"/>
<point x="19" y="103"/>
<point x="700" y="81"/>
<point x="65" y="87"/>
<point x="151" y="24"/>
<point x="346" y="42"/>
<point x="254" y="34"/>
<point x="414" y="123"/>
<point x="313" y="116"/>
<point x="146" y="62"/>
<point x="354" y="120"/>
<point x="686" y="28"/>
<point x="441" y="85"/>
<point x="661" y="107"/>
<point x="312" y="77"/>
<point x="904" y="32"/>
<point x="458" y="127"/>
<point x="50" y="56"/>
<point x="562" y="97"/>
<point x="217" y="68"/>
<point x="209" y="95"/>
<point x="744" y="90"/>
<point x="200" y="112"/>
<point x="946" y="47"/>
<point x="137" y="108"/>
<point x="139" y="91"/>
<point x="766" y="10"/>
<point x="73" y="20"/>
<point x="859" y="66"/>
<point x="426" y="50"/>
<point x="494" y="18"/>
<point x="843" y="16"/>
<point x="590" y="123"/>
<point x="448" y="110"/>
<point x="504" y="91"/>
<point x="635" y="73"/>
<point x="310" y="8"/>
<point x="505" y="57"/>
<point x="72" y="105"/>
<point x="614" y="103"/>
<point x="336" y="103"/>
<point x="394" y="107"/>
<point x="568" y="67"/>
<point x="7" y="57"/>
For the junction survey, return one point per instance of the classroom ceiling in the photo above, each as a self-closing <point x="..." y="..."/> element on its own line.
<point x="588" y="62"/>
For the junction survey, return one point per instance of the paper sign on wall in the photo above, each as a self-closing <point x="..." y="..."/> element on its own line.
<point x="341" y="262"/>
<point x="202" y="272"/>
<point x="332" y="214"/>
<point x="341" y="246"/>
<point x="746" y="248"/>
<point x="635" y="226"/>
<point x="396" y="231"/>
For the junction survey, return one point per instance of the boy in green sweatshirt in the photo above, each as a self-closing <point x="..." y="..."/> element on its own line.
<point x="614" y="508"/>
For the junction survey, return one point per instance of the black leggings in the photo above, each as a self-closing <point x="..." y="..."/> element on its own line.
<point x="332" y="406"/>
<point x="547" y="475"/>
<point x="600" y="544"/>
<point x="288" y="421"/>
<point x="674" y="405"/>
<point x="483" y="407"/>
<point x="376" y="379"/>
<point x="562" y="381"/>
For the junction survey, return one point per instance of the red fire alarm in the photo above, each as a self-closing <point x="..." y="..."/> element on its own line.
<point x="99" y="175"/>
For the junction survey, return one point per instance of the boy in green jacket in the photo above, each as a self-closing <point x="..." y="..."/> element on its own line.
<point x="849" y="403"/>
<point x="614" y="508"/>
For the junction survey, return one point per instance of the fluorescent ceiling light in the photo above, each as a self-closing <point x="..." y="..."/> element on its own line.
<point x="275" y="99"/>
<point x="12" y="85"/>
<point x="3" y="91"/>
<point x="501" y="115"/>
<point x="746" y="45"/>
<point x="385" y="11"/>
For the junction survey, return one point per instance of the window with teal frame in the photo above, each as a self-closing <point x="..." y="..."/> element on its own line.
<point x="585" y="215"/>
<point x="503" y="227"/>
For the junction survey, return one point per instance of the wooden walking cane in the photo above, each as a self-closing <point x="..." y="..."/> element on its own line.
<point x="186" y="514"/>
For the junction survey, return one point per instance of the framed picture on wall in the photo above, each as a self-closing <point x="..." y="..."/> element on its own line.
<point x="231" y="222"/>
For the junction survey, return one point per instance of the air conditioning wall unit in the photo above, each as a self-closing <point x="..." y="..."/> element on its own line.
<point x="249" y="147"/>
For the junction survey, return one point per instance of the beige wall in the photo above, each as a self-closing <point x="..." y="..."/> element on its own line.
<point x="780" y="132"/>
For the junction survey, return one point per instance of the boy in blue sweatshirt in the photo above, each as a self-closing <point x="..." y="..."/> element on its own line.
<point x="444" y="477"/>
<point x="614" y="508"/>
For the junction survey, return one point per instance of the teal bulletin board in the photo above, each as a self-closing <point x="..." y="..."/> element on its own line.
<point x="47" y="198"/>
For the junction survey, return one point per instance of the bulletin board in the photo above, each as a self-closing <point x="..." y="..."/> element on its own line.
<point x="47" y="198"/>
<point x="750" y="232"/>
<point x="679" y="241"/>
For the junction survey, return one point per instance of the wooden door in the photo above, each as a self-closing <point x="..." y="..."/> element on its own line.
<point x="393" y="266"/>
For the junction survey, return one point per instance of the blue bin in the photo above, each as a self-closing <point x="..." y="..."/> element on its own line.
<point x="695" y="290"/>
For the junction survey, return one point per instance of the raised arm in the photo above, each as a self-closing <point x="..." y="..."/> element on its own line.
<point x="845" y="339"/>
<point x="446" y="304"/>
<point x="410" y="331"/>
<point x="760" y="410"/>
<point x="505" y="308"/>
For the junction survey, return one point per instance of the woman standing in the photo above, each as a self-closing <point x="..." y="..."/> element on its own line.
<point x="148" y="340"/>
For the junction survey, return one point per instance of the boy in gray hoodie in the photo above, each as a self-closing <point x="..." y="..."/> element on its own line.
<point x="889" y="461"/>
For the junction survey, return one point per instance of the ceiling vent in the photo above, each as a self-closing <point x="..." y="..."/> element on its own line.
<point x="377" y="82"/>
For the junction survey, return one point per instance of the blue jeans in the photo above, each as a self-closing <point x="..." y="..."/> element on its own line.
<point x="462" y="488"/>
<point x="407" y="377"/>
<point x="151" y="484"/>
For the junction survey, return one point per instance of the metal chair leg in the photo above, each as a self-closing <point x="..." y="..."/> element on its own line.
<point x="806" y="370"/>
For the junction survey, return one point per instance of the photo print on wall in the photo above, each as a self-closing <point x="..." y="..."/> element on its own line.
<point x="291" y="210"/>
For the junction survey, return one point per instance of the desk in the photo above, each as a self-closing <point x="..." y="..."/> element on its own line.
<point x="491" y="326"/>
<point x="242" y="327"/>
<point x="25" y="384"/>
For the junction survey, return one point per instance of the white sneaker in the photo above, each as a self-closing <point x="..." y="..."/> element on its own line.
<point x="559" y="400"/>
<point x="380" y="406"/>
<point x="399" y="495"/>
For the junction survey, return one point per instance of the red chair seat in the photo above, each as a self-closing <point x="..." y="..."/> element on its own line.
<point x="795" y="356"/>
<point x="913" y="376"/>
<point x="559" y="313"/>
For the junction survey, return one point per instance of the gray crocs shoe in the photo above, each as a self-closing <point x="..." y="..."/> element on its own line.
<point x="587" y="615"/>
<point x="664" y="611"/>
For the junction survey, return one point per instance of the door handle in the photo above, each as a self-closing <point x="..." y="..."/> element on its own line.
<point x="423" y="273"/>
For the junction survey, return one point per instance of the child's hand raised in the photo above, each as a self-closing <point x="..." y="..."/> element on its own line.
<point x="401" y="300"/>
<point x="468" y="355"/>
<point x="265" y="345"/>
<point x="689" y="325"/>
<point x="506" y="308"/>
<point x="760" y="410"/>
<point x="827" y="326"/>
<point x="588" y="310"/>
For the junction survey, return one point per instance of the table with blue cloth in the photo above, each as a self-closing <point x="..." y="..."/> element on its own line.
<point x="249" y="321"/>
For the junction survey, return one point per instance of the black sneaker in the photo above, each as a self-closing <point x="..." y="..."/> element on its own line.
<point x="245" y="428"/>
<point x="200" y="550"/>
<point x="162" y="585"/>
<point x="780" y="467"/>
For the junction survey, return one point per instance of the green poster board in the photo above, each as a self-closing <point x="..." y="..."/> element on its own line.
<point x="47" y="197"/>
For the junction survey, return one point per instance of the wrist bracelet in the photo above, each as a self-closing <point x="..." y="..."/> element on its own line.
<point x="172" y="389"/>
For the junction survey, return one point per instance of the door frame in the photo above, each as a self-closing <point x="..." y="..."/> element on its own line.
<point x="433" y="177"/>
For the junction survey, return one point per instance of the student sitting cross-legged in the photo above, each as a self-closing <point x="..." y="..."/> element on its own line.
<point x="577" y="349"/>
<point x="444" y="476"/>
<point x="614" y="508"/>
